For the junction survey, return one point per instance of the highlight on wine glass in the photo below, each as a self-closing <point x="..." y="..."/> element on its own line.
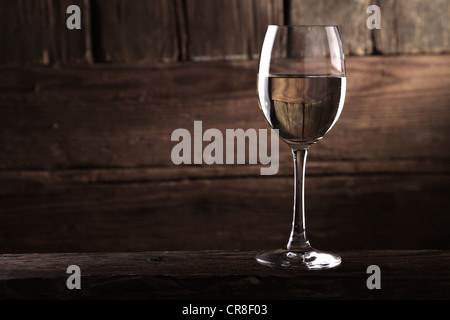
<point x="301" y="92"/>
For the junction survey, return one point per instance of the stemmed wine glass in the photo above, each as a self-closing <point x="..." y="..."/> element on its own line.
<point x="301" y="92"/>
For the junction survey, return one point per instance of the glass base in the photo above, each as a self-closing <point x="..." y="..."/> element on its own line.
<point x="308" y="258"/>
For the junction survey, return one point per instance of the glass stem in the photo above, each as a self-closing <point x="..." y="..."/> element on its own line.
<point x="298" y="240"/>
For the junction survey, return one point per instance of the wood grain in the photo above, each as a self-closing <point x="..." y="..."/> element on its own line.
<point x="348" y="15"/>
<point x="413" y="27"/>
<point x="229" y="30"/>
<point x="135" y="31"/>
<point x="103" y="211"/>
<point x="397" y="108"/>
<point x="85" y="159"/>
<point x="148" y="32"/>
<point x="35" y="32"/>
<point x="168" y="31"/>
<point x="218" y="275"/>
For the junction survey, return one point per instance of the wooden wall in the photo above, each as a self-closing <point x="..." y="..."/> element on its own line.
<point x="87" y="116"/>
<point x="152" y="31"/>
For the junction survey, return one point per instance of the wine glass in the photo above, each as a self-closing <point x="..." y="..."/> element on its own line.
<point x="301" y="92"/>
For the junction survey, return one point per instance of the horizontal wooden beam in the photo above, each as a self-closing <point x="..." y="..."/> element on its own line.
<point x="102" y="211"/>
<point x="219" y="275"/>
<point x="196" y="172"/>
<point x="396" y="108"/>
<point x="85" y="159"/>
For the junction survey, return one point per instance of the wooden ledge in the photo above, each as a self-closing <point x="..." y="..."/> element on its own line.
<point x="218" y="275"/>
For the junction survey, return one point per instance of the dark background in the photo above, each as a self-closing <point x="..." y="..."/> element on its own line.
<point x="87" y="115"/>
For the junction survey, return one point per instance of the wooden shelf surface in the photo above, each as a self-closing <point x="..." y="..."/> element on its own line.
<point x="219" y="275"/>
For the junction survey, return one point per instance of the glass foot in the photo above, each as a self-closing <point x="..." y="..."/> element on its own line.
<point x="308" y="258"/>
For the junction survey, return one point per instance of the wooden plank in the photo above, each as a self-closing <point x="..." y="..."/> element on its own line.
<point x="177" y="173"/>
<point x="140" y="31"/>
<point x="413" y="27"/>
<point x="218" y="275"/>
<point x="406" y="26"/>
<point x="35" y="32"/>
<point x="349" y="15"/>
<point x="229" y="30"/>
<point x="123" y="117"/>
<point x="101" y="211"/>
<point x="136" y="31"/>
<point x="90" y="120"/>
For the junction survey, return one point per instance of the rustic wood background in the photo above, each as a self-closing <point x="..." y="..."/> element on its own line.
<point x="87" y="116"/>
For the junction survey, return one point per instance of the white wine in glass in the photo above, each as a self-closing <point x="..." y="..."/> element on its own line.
<point x="301" y="92"/>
